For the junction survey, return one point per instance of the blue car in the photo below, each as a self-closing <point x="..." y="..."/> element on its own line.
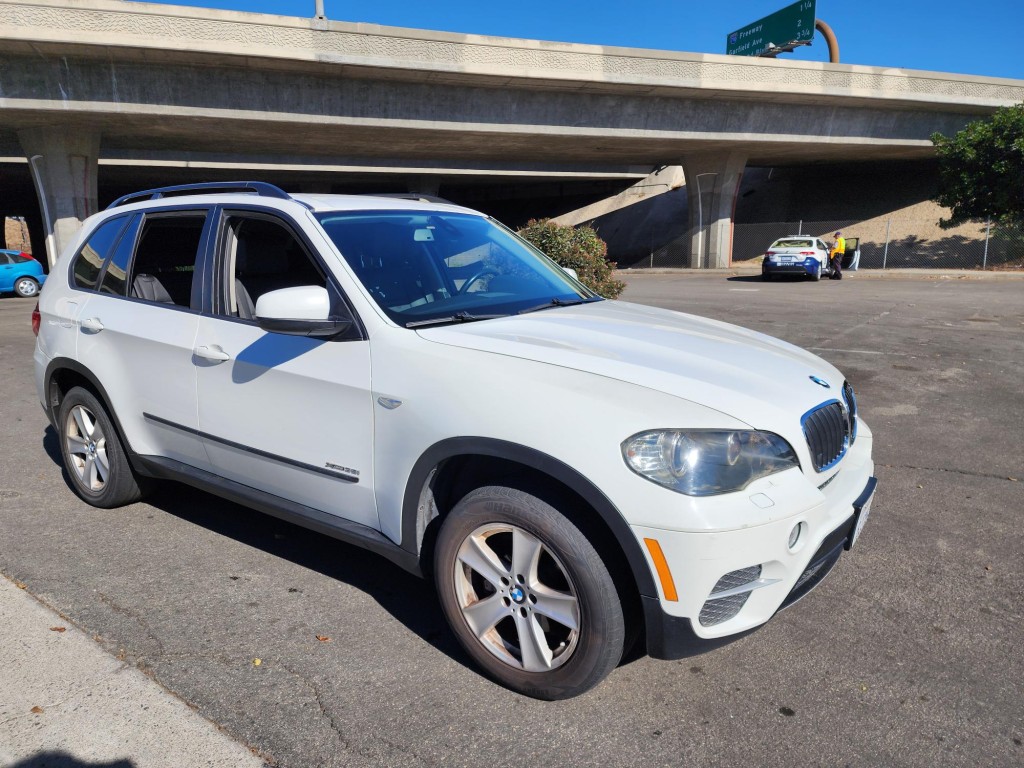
<point x="20" y="274"/>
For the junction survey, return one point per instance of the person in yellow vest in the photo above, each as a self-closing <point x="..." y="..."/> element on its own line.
<point x="838" y="251"/>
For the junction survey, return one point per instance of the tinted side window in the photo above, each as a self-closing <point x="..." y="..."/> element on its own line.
<point x="165" y="258"/>
<point x="89" y="260"/>
<point x="5" y="259"/>
<point x="115" y="278"/>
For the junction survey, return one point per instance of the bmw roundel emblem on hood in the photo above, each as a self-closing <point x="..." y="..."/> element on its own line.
<point x="820" y="382"/>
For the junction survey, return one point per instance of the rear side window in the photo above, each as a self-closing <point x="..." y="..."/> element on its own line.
<point x="89" y="261"/>
<point x="165" y="258"/>
<point x="115" y="278"/>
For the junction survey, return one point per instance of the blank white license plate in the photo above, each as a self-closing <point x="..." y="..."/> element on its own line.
<point x="862" y="517"/>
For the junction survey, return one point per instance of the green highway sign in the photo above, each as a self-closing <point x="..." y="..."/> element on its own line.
<point x="781" y="31"/>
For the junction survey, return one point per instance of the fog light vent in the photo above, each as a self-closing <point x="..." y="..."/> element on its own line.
<point x="729" y="595"/>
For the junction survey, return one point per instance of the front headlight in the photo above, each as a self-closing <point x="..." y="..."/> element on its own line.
<point x="705" y="462"/>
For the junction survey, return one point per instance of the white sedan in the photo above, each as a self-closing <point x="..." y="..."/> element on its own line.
<point x="796" y="255"/>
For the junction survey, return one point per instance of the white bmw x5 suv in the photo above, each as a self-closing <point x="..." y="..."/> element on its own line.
<point x="577" y="475"/>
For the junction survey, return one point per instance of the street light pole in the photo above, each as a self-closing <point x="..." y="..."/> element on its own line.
<point x="320" y="10"/>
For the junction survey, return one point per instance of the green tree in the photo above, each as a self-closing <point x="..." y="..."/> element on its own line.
<point x="981" y="169"/>
<point x="578" y="248"/>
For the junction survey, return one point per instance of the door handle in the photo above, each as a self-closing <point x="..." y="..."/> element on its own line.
<point x="92" y="324"/>
<point x="211" y="352"/>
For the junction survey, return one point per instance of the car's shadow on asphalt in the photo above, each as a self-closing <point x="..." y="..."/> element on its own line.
<point x="775" y="279"/>
<point x="411" y="600"/>
<point x="745" y="279"/>
<point x="52" y="446"/>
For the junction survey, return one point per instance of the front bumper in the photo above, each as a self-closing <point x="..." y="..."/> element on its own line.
<point x="698" y="561"/>
<point x="674" y="637"/>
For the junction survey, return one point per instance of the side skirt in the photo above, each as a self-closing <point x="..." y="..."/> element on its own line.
<point x="299" y="514"/>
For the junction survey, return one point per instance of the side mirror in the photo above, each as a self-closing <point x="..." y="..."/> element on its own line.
<point x="301" y="311"/>
<point x="571" y="273"/>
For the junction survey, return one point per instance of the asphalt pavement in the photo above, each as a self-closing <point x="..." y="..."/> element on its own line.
<point x="907" y="655"/>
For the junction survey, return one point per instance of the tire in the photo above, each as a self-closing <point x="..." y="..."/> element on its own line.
<point x="94" y="458"/>
<point x="26" y="287"/>
<point x="817" y="273"/>
<point x="552" y="632"/>
<point x="766" y="276"/>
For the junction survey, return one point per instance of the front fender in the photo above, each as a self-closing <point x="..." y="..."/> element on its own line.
<point x="413" y="502"/>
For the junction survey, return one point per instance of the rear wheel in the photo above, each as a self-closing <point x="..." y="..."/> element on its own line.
<point x="817" y="272"/>
<point x="26" y="287"/>
<point x="766" y="276"/>
<point x="527" y="594"/>
<point x="93" y="455"/>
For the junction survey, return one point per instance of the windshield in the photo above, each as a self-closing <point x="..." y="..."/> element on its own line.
<point x="429" y="268"/>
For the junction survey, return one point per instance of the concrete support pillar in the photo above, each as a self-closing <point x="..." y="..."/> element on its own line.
<point x="712" y="183"/>
<point x="64" y="165"/>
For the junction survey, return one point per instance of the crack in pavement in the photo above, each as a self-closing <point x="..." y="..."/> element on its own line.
<point x="869" y="321"/>
<point x="318" y="698"/>
<point x="128" y="612"/>
<point x="336" y="728"/>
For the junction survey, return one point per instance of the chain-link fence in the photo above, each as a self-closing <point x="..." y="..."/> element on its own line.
<point x="885" y="242"/>
<point x="916" y="244"/>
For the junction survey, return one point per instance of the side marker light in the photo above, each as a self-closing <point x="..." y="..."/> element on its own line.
<point x="668" y="586"/>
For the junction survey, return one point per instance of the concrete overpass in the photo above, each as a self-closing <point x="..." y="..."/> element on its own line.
<point x="90" y="84"/>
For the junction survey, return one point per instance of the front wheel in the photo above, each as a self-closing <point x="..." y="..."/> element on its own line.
<point x="527" y="594"/>
<point x="26" y="287"/>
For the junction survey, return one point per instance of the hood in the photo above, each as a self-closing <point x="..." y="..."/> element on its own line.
<point x="762" y="381"/>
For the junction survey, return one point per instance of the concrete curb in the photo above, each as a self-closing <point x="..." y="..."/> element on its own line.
<point x="64" y="701"/>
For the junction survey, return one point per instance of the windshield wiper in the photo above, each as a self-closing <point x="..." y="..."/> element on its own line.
<point x="557" y="302"/>
<point x="458" y="317"/>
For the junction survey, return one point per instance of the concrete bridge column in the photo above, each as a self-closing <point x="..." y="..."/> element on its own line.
<point x="712" y="183"/>
<point x="64" y="164"/>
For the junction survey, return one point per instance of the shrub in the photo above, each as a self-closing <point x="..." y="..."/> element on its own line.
<point x="980" y="169"/>
<point x="578" y="248"/>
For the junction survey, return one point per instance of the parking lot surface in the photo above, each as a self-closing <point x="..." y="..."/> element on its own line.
<point x="909" y="654"/>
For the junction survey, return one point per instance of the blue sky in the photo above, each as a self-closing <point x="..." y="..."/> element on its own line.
<point x="978" y="37"/>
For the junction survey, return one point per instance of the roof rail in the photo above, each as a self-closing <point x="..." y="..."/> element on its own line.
<point x="411" y="196"/>
<point x="261" y="188"/>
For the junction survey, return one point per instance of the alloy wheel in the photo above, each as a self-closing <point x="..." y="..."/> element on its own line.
<point x="87" y="448"/>
<point x="517" y="598"/>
